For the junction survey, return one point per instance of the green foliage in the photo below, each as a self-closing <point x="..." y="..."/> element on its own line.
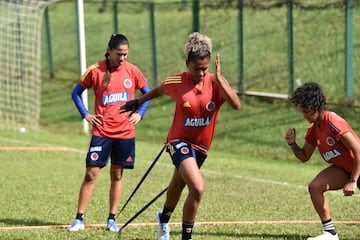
<point x="319" y="43"/>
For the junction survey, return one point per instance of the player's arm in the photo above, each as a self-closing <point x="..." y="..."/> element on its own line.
<point x="133" y="105"/>
<point x="302" y="153"/>
<point x="352" y="143"/>
<point x="76" y="97"/>
<point x="135" y="117"/>
<point x="229" y="94"/>
<point x="143" y="107"/>
<point x="153" y="93"/>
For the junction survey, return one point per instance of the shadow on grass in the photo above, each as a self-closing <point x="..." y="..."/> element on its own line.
<point x="25" y="222"/>
<point x="225" y="235"/>
<point x="254" y="236"/>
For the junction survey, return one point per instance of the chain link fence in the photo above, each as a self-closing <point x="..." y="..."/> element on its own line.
<point x="252" y="38"/>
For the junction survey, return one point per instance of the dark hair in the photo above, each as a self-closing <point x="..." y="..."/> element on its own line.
<point x="115" y="41"/>
<point x="310" y="96"/>
<point x="198" y="55"/>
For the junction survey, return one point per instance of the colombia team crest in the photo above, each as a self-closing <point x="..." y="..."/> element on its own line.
<point x="184" y="150"/>
<point x="210" y="106"/>
<point x="330" y="141"/>
<point x="127" y="83"/>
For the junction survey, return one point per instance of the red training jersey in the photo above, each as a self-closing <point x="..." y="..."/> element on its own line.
<point x="326" y="137"/>
<point x="196" y="110"/>
<point x="123" y="82"/>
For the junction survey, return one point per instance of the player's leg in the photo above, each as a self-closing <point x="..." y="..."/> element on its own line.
<point x="115" y="187"/>
<point x="331" y="178"/>
<point x="173" y="194"/>
<point x="191" y="175"/>
<point x="87" y="188"/>
<point x="85" y="193"/>
<point x="122" y="156"/>
<point x="175" y="189"/>
<point x="96" y="158"/>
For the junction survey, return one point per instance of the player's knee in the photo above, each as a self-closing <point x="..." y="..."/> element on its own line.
<point x="90" y="177"/>
<point x="314" y="187"/>
<point x="116" y="174"/>
<point x="197" y="192"/>
<point x="116" y="177"/>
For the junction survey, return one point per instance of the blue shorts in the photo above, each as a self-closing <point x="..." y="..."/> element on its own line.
<point x="180" y="150"/>
<point x="121" y="152"/>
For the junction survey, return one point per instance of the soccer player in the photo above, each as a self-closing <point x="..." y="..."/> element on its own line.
<point x="114" y="81"/>
<point x="338" y="145"/>
<point x="198" y="95"/>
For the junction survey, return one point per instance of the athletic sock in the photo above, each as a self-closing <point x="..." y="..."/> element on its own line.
<point x="328" y="226"/>
<point x="166" y="214"/>
<point x="80" y="216"/>
<point x="187" y="230"/>
<point x="111" y="216"/>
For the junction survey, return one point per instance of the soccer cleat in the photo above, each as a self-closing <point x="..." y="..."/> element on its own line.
<point x="325" y="236"/>
<point x="164" y="229"/>
<point x="111" y="226"/>
<point x="76" y="226"/>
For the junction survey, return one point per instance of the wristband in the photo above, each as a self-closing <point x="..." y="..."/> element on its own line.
<point x="292" y="144"/>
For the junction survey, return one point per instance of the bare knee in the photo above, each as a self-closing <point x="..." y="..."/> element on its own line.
<point x="116" y="174"/>
<point x="197" y="192"/>
<point x="90" y="176"/>
<point x="314" y="188"/>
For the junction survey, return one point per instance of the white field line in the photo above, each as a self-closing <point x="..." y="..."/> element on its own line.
<point x="270" y="181"/>
<point x="271" y="222"/>
<point x="38" y="146"/>
<point x="60" y="148"/>
<point x="178" y="223"/>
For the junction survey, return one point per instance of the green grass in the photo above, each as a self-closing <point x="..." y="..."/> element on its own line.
<point x="250" y="174"/>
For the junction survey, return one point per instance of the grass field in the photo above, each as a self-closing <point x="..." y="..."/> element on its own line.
<point x="255" y="188"/>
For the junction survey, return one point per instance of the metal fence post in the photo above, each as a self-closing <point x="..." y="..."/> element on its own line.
<point x="153" y="42"/>
<point x="48" y="41"/>
<point x="290" y="46"/>
<point x="349" y="77"/>
<point x="241" y="46"/>
<point x="115" y="16"/>
<point x="196" y="8"/>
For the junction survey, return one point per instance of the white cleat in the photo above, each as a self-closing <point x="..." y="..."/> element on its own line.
<point x="325" y="236"/>
<point x="111" y="226"/>
<point x="164" y="229"/>
<point x="76" y="226"/>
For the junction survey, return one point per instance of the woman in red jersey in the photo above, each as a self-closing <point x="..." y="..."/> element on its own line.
<point x="198" y="95"/>
<point x="338" y="145"/>
<point x="114" y="81"/>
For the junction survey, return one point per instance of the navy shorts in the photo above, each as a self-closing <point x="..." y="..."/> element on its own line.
<point x="121" y="152"/>
<point x="180" y="150"/>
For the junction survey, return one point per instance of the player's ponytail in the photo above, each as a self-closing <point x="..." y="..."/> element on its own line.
<point x="107" y="73"/>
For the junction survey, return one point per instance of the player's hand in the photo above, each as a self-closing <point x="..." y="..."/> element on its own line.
<point x="94" y="119"/>
<point x="349" y="188"/>
<point x="134" y="118"/>
<point x="217" y="68"/>
<point x="130" y="106"/>
<point x="290" y="136"/>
